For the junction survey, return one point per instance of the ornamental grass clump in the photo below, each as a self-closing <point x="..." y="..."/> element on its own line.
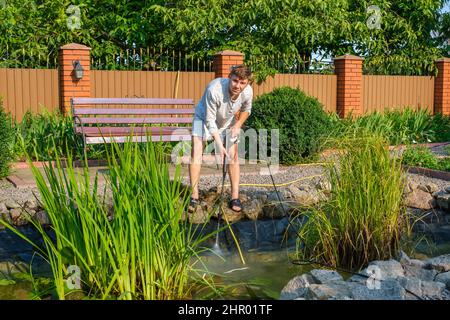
<point x="143" y="249"/>
<point x="364" y="218"/>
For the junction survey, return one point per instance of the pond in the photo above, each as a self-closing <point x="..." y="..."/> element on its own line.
<point x="267" y="247"/>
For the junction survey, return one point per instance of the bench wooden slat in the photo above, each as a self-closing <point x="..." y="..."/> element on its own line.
<point x="163" y="138"/>
<point x="117" y="131"/>
<point x="131" y="101"/>
<point x="136" y="120"/>
<point x="133" y="111"/>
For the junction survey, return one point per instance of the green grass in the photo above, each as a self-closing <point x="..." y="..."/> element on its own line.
<point x="144" y="251"/>
<point x="398" y="127"/>
<point x="424" y="157"/>
<point x="363" y="220"/>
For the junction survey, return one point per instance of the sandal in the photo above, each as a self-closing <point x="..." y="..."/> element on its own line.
<point x="193" y="203"/>
<point x="235" y="203"/>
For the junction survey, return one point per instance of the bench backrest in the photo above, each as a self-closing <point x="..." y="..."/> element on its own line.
<point x="86" y="111"/>
<point x="90" y="115"/>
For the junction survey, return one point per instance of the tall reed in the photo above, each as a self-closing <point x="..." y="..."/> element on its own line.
<point x="363" y="220"/>
<point x="143" y="249"/>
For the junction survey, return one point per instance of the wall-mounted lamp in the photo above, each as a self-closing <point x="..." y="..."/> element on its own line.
<point x="77" y="69"/>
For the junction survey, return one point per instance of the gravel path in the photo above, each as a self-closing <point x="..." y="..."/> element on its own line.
<point x="285" y="174"/>
<point x="441" y="150"/>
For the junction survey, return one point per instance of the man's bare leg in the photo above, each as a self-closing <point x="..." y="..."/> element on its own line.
<point x="195" y="164"/>
<point x="234" y="173"/>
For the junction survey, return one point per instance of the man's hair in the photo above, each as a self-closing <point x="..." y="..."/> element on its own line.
<point x="242" y="71"/>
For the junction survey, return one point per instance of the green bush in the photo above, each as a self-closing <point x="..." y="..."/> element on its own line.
<point x="301" y="120"/>
<point x="49" y="133"/>
<point x="6" y="140"/>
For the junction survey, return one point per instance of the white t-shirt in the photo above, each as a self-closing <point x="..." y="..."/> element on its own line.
<point x="216" y="109"/>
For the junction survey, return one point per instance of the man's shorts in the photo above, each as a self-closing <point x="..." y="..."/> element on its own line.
<point x="199" y="130"/>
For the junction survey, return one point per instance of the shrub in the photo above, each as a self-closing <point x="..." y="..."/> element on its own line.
<point x="301" y="121"/>
<point x="6" y="141"/>
<point x="49" y="133"/>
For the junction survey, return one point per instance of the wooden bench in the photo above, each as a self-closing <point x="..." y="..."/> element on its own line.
<point x="98" y="125"/>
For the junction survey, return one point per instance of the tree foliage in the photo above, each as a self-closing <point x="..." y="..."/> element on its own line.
<point x="288" y="31"/>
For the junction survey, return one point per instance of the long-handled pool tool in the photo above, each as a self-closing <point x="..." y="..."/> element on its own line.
<point x="219" y="213"/>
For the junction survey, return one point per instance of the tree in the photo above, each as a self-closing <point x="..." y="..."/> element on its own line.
<point x="273" y="34"/>
<point x="402" y="44"/>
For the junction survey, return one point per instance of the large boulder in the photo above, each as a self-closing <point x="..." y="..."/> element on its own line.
<point x="420" y="199"/>
<point x="297" y="287"/>
<point x="441" y="263"/>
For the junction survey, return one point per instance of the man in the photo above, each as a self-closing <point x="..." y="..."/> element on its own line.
<point x="223" y="109"/>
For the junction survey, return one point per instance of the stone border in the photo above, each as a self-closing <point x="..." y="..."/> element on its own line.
<point x="437" y="174"/>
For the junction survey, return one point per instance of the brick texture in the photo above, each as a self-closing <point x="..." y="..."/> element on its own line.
<point x="442" y="87"/>
<point x="70" y="87"/>
<point x="348" y="70"/>
<point x="224" y="60"/>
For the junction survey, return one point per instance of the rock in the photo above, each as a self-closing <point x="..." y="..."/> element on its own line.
<point x="324" y="276"/>
<point x="428" y="187"/>
<point x="253" y="209"/>
<point x="419" y="273"/>
<point x="441" y="263"/>
<point x="297" y="287"/>
<point x="429" y="289"/>
<point x="42" y="217"/>
<point x="387" y="269"/>
<point x="337" y="290"/>
<point x="442" y="199"/>
<point x="324" y="185"/>
<point x="275" y="211"/>
<point x="389" y="289"/>
<point x="420" y="199"/>
<point x="232" y="216"/>
<point x="31" y="203"/>
<point x="7" y="217"/>
<point x="303" y="197"/>
<point x="21" y="217"/>
<point x="444" y="278"/>
<point x="431" y="187"/>
<point x="3" y="208"/>
<point x="413" y="186"/>
<point x="198" y="216"/>
<point x="11" y="204"/>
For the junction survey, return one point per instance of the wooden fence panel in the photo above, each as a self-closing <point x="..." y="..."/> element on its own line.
<point x="29" y="89"/>
<point x="397" y="92"/>
<point x="34" y="89"/>
<point x="323" y="87"/>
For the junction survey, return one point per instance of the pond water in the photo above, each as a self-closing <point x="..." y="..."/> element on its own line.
<point x="267" y="246"/>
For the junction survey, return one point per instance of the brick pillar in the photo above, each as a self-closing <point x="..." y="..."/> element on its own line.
<point x="69" y="86"/>
<point x="224" y="60"/>
<point x="442" y="87"/>
<point x="348" y="69"/>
